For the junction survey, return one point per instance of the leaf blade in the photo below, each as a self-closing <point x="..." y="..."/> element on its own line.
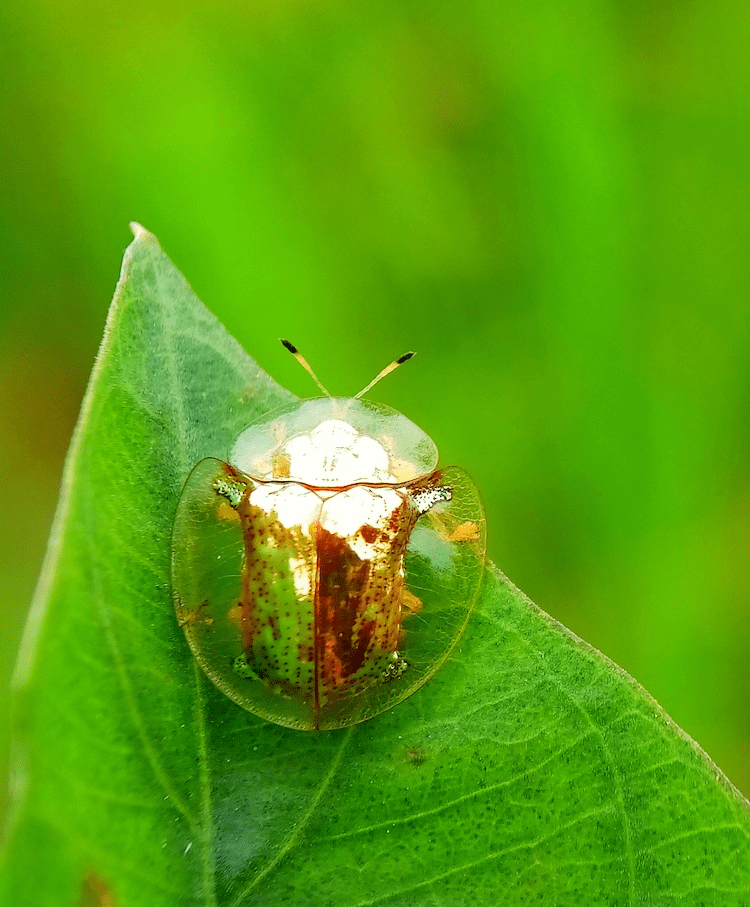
<point x="528" y="764"/>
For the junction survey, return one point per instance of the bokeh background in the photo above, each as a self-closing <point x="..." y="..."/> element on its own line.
<point x="548" y="201"/>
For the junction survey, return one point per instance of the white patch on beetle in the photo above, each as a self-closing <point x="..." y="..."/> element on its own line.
<point x="293" y="504"/>
<point x="301" y="577"/>
<point x="348" y="512"/>
<point x="335" y="453"/>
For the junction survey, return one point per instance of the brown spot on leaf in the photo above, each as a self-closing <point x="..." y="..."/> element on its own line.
<point x="95" y="892"/>
<point x="416" y="756"/>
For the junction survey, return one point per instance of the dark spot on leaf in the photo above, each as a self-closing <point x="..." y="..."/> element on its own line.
<point x="416" y="756"/>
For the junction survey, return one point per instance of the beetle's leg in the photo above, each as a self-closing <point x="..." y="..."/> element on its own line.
<point x="410" y="604"/>
<point x="185" y="617"/>
<point x="231" y="489"/>
<point x="241" y="666"/>
<point x="424" y="499"/>
<point x="397" y="667"/>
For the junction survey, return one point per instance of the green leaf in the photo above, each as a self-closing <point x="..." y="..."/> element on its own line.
<point x="530" y="769"/>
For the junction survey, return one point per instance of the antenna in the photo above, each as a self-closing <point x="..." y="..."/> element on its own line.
<point x="303" y="362"/>
<point x="386" y="371"/>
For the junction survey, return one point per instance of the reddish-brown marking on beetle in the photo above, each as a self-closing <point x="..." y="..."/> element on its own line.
<point x="358" y="604"/>
<point x="344" y="631"/>
<point x="369" y="534"/>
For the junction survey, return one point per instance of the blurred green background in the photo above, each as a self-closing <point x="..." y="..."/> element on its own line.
<point x="548" y="201"/>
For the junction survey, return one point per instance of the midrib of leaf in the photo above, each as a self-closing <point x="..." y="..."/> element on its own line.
<point x="290" y="842"/>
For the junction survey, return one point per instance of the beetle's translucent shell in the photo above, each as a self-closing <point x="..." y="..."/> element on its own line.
<point x="326" y="571"/>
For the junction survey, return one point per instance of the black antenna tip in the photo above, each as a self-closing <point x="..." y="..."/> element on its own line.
<point x="405" y="358"/>
<point x="290" y="346"/>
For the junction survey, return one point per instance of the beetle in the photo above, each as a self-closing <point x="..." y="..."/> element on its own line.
<point x="327" y="569"/>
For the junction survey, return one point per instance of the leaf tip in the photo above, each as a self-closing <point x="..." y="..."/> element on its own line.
<point x="140" y="233"/>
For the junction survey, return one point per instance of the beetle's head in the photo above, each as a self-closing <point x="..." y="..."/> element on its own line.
<point x="335" y="441"/>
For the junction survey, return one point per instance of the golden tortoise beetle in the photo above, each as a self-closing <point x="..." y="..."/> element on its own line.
<point x="327" y="570"/>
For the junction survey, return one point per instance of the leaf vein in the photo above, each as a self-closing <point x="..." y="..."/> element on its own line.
<point x="299" y="827"/>
<point x="488" y="858"/>
<point x="456" y="801"/>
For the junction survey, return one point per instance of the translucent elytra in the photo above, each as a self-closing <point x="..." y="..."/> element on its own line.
<point x="326" y="571"/>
